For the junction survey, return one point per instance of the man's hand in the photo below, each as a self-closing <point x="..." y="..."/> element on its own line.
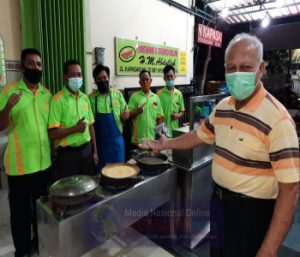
<point x="158" y="145"/>
<point x="125" y="114"/>
<point x="140" y="109"/>
<point x="96" y="158"/>
<point x="175" y="116"/>
<point x="264" y="253"/>
<point x="13" y="100"/>
<point x="80" y="126"/>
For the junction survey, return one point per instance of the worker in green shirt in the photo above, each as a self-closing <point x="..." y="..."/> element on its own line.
<point x="24" y="110"/>
<point x="171" y="100"/>
<point x="71" y="126"/>
<point x="110" y="110"/>
<point x="145" y="110"/>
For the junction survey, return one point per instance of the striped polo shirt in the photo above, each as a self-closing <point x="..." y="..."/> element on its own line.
<point x="256" y="146"/>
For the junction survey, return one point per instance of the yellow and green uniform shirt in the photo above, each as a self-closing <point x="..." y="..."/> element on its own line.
<point x="66" y="109"/>
<point x="171" y="104"/>
<point x="144" y="123"/>
<point x="28" y="149"/>
<point x="104" y="105"/>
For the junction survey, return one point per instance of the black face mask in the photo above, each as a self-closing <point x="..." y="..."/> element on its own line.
<point x="103" y="86"/>
<point x="33" y="75"/>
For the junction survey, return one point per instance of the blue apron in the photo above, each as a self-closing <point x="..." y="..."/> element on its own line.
<point x="110" y="142"/>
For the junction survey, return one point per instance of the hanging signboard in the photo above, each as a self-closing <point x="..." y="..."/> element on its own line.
<point x="209" y="36"/>
<point x="132" y="56"/>
<point x="2" y="65"/>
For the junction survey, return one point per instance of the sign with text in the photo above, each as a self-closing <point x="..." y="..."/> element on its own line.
<point x="132" y="56"/>
<point x="209" y="36"/>
<point x="182" y="62"/>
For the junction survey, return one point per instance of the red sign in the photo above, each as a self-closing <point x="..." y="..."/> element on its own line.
<point x="209" y="36"/>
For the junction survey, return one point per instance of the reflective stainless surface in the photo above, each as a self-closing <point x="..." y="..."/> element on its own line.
<point x="94" y="225"/>
<point x="190" y="158"/>
<point x="194" y="190"/>
<point x="73" y="186"/>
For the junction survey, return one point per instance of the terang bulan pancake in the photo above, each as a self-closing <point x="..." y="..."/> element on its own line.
<point x="120" y="170"/>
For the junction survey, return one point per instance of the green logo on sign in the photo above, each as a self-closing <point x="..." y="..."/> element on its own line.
<point x="127" y="54"/>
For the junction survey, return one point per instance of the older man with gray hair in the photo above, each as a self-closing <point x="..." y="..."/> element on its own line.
<point x="256" y="162"/>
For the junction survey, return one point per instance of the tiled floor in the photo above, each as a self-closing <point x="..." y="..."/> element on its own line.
<point x="6" y="244"/>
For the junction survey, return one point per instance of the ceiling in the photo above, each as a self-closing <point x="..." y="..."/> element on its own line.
<point x="240" y="11"/>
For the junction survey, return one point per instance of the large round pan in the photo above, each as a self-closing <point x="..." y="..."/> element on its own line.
<point x="119" y="175"/>
<point x="73" y="190"/>
<point x="152" y="162"/>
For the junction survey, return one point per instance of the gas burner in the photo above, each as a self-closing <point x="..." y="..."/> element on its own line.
<point x="63" y="211"/>
<point x="115" y="189"/>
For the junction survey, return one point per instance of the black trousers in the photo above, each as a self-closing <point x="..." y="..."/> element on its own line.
<point x="74" y="161"/>
<point x="238" y="223"/>
<point x="23" y="193"/>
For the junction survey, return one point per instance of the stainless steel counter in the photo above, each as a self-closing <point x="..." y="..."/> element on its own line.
<point x="194" y="190"/>
<point x="77" y="234"/>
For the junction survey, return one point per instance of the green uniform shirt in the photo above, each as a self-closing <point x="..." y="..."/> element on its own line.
<point x="144" y="123"/>
<point x="104" y="105"/>
<point x="66" y="110"/>
<point x="171" y="104"/>
<point x="28" y="148"/>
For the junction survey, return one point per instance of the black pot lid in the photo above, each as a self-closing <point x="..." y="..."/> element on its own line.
<point x="73" y="186"/>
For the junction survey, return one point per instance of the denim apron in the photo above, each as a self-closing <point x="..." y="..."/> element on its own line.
<point x="110" y="142"/>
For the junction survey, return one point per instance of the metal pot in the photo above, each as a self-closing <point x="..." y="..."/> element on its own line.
<point x="152" y="162"/>
<point x="73" y="190"/>
<point x="119" y="182"/>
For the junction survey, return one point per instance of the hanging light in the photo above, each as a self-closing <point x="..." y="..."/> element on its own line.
<point x="225" y="12"/>
<point x="265" y="21"/>
<point x="280" y="3"/>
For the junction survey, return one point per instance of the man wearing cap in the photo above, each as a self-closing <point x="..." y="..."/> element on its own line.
<point x="24" y="109"/>
<point x="255" y="166"/>
<point x="171" y="100"/>
<point x="71" y="126"/>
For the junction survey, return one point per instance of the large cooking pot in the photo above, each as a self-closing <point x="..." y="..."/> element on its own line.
<point x="151" y="162"/>
<point x="73" y="190"/>
<point x="120" y="175"/>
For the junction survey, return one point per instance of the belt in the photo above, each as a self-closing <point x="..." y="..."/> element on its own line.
<point x="223" y="193"/>
<point x="73" y="148"/>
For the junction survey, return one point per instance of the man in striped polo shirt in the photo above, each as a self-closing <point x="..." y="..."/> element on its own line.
<point x="256" y="162"/>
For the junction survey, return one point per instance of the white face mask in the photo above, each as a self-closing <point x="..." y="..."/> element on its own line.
<point x="75" y="83"/>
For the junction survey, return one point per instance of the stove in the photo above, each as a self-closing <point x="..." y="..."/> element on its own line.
<point x="63" y="211"/>
<point x="72" y="232"/>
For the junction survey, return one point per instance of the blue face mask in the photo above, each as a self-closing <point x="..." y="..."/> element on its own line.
<point x="241" y="84"/>
<point x="170" y="83"/>
<point x="75" y="83"/>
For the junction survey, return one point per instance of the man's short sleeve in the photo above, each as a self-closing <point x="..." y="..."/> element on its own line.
<point x="55" y="114"/>
<point x="181" y="104"/>
<point x="3" y="100"/>
<point x="132" y="103"/>
<point x="284" y="151"/>
<point x="160" y="112"/>
<point x="122" y="102"/>
<point x="206" y="131"/>
<point x="90" y="114"/>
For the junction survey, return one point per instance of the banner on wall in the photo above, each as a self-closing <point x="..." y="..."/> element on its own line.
<point x="2" y="65"/>
<point x="182" y="62"/>
<point x="132" y="56"/>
